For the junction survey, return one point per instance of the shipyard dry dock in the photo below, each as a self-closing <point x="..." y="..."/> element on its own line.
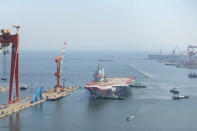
<point x="7" y="109"/>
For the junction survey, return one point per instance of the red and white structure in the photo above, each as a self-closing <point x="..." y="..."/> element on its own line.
<point x="59" y="61"/>
<point x="6" y="39"/>
<point x="107" y="87"/>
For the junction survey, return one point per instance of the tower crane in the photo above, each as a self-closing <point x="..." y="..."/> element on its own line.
<point x="59" y="60"/>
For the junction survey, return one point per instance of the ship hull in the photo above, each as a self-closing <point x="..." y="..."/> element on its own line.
<point x="113" y="93"/>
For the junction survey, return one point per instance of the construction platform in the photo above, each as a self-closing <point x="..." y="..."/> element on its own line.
<point x="50" y="95"/>
<point x="26" y="102"/>
<point x="4" y="89"/>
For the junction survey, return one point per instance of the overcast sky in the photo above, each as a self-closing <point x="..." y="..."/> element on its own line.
<point x="135" y="25"/>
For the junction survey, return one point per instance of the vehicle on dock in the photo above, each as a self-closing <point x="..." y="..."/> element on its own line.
<point x="180" y="96"/>
<point x="107" y="87"/>
<point x="174" y="90"/>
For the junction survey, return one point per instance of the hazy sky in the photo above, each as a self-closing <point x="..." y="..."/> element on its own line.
<point x="134" y="25"/>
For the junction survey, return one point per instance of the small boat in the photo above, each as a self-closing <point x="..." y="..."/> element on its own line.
<point x="174" y="90"/>
<point x="4" y="78"/>
<point x="131" y="117"/>
<point x="104" y="60"/>
<point x="180" y="96"/>
<point x="192" y="75"/>
<point x="24" y="87"/>
<point x="137" y="85"/>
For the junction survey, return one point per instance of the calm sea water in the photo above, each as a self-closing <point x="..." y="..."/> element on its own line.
<point x="153" y="106"/>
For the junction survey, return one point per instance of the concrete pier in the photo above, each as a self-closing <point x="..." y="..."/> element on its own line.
<point x="7" y="109"/>
<point x="51" y="95"/>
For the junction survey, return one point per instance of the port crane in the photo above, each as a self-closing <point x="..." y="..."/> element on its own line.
<point x="191" y="52"/>
<point x="6" y="38"/>
<point x="174" y="51"/>
<point x="190" y="47"/>
<point x="59" y="60"/>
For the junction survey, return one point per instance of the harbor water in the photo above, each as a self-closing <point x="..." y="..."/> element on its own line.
<point x="153" y="106"/>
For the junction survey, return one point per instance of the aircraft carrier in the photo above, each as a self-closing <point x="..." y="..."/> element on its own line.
<point x="107" y="87"/>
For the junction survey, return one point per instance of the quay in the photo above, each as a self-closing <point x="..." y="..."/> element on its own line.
<point x="26" y="102"/>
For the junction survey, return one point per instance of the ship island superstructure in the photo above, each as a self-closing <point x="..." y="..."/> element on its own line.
<point x="107" y="87"/>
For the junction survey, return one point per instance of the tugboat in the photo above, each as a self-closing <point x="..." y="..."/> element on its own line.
<point x="137" y="85"/>
<point x="174" y="90"/>
<point x="4" y="78"/>
<point x="180" y="96"/>
<point x="131" y="117"/>
<point x="24" y="87"/>
<point x="104" y="60"/>
<point x="192" y="75"/>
